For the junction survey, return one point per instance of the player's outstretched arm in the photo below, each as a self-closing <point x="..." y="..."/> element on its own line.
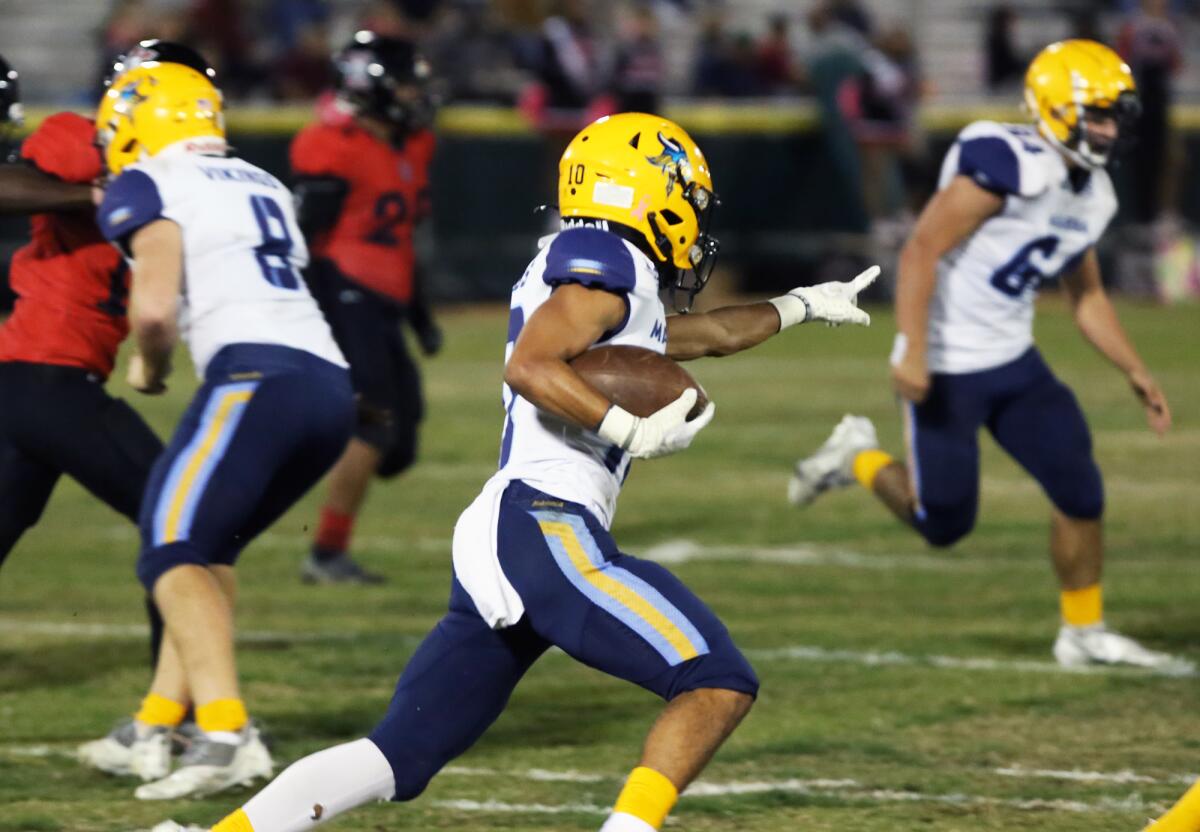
<point x="953" y="214"/>
<point x="1097" y="320"/>
<point x="26" y="190"/>
<point x="573" y="319"/>
<point x="732" y="329"/>
<point x="157" y="250"/>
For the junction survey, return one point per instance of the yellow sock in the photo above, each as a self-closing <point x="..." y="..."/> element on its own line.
<point x="237" y="822"/>
<point x="159" y="710"/>
<point x="1184" y="815"/>
<point x="648" y="796"/>
<point x="868" y="464"/>
<point x="221" y="715"/>
<point x="1082" y="607"/>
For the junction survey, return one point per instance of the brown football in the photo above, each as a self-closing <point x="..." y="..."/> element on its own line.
<point x="637" y="379"/>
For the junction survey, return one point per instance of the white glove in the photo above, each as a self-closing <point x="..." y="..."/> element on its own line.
<point x="663" y="432"/>
<point x="835" y="303"/>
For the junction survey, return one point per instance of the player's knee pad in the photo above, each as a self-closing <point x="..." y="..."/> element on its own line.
<point x="156" y="561"/>
<point x="945" y="526"/>
<point x="402" y="452"/>
<point x="723" y="668"/>
<point x="373" y="424"/>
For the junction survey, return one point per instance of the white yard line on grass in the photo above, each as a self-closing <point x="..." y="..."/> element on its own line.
<point x="80" y="629"/>
<point x="1077" y="776"/>
<point x="802" y="554"/>
<point x="848" y="790"/>
<point x="844" y="789"/>
<point x="891" y="658"/>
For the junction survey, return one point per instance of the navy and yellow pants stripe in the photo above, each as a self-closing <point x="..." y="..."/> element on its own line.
<point x="262" y="429"/>
<point x="626" y="617"/>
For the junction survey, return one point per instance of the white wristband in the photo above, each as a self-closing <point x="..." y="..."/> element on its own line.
<point x="899" y="348"/>
<point x="792" y="310"/>
<point x="618" y="427"/>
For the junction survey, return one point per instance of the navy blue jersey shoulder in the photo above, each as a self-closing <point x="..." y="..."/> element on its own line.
<point x="591" y="257"/>
<point x="992" y="163"/>
<point x="130" y="202"/>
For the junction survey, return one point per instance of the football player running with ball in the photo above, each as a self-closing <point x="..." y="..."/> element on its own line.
<point x="362" y="186"/>
<point x="534" y="563"/>
<point x="215" y="253"/>
<point x="1019" y="205"/>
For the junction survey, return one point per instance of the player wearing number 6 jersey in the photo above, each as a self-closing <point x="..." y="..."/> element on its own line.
<point x="215" y="254"/>
<point x="1018" y="206"/>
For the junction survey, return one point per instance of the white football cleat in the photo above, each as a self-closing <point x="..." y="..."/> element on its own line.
<point x="130" y="748"/>
<point x="832" y="465"/>
<point x="208" y="767"/>
<point x="1080" y="646"/>
<point x="172" y="826"/>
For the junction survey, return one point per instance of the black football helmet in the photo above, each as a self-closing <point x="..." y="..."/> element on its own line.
<point x="12" y="115"/>
<point x="385" y="78"/>
<point x="163" y="51"/>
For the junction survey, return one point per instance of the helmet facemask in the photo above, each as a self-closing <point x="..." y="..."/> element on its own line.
<point x="1088" y="149"/>
<point x="685" y="284"/>
<point x="1096" y="151"/>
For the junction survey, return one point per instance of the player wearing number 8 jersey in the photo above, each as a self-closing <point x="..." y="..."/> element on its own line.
<point x="1018" y="206"/>
<point x="215" y="253"/>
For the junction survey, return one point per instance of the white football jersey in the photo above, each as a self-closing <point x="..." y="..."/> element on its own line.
<point x="243" y="251"/>
<point x="552" y="455"/>
<point x="981" y="314"/>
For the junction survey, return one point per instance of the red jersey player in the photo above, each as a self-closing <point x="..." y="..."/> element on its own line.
<point x="362" y="185"/>
<point x="60" y="343"/>
<point x="58" y="346"/>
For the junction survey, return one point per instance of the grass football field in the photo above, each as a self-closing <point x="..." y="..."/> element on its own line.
<point x="903" y="688"/>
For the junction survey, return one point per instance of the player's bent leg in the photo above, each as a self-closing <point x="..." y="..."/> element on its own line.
<point x="25" y="488"/>
<point x="634" y="620"/>
<point x="943" y="462"/>
<point x="1041" y="425"/>
<point x="453" y="688"/>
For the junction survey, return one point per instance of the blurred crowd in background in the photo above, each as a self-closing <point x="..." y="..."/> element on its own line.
<point x="863" y="71"/>
<point x="562" y="62"/>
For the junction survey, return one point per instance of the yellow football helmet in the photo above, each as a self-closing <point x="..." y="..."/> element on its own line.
<point x="646" y="174"/>
<point x="1071" y="78"/>
<point x="156" y="105"/>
